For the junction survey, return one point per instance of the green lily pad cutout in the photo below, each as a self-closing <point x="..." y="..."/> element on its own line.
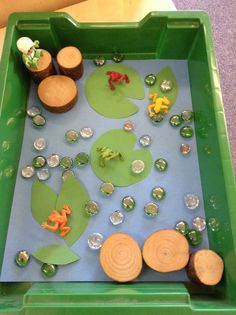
<point x="73" y="193"/>
<point x="166" y="74"/>
<point x="55" y="254"/>
<point x="114" y="103"/>
<point x="116" y="171"/>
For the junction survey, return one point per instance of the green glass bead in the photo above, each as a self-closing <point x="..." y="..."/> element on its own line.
<point x="187" y="115"/>
<point x="128" y="203"/>
<point x="38" y="121"/>
<point x="186" y="132"/>
<point x="117" y="58"/>
<point x="161" y="165"/>
<point x="81" y="159"/>
<point x="48" y="270"/>
<point x="182" y="227"/>
<point x="175" y="120"/>
<point x="157" y="118"/>
<point x="66" y="174"/>
<point x="71" y="136"/>
<point x="158" y="193"/>
<point x="150" y="79"/>
<point x="151" y="209"/>
<point x="194" y="237"/>
<point x="39" y="161"/>
<point x="99" y="61"/>
<point x="66" y="163"/>
<point x="22" y="258"/>
<point x="107" y="188"/>
<point x="91" y="208"/>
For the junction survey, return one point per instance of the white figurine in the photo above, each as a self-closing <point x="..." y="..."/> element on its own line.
<point x="30" y="52"/>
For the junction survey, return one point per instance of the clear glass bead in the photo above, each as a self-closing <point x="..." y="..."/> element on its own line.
<point x="43" y="174"/>
<point x="166" y="86"/>
<point x="151" y="209"/>
<point x="22" y="258"/>
<point x="137" y="166"/>
<point x="71" y="135"/>
<point x="95" y="241"/>
<point x="33" y="111"/>
<point x="128" y="203"/>
<point x="53" y="160"/>
<point x="158" y="193"/>
<point x="187" y="115"/>
<point x="40" y="144"/>
<point x="38" y="121"/>
<point x="86" y="132"/>
<point x="117" y="217"/>
<point x="145" y="141"/>
<point x="213" y="224"/>
<point x="199" y="223"/>
<point x="191" y="201"/>
<point x="91" y="207"/>
<point x="28" y="171"/>
<point x="107" y="188"/>
<point x="66" y="174"/>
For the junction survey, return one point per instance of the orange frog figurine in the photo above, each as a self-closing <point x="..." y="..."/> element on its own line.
<point x="58" y="221"/>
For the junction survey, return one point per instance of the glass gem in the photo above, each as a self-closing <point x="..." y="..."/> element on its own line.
<point x="151" y="209"/>
<point x="157" y="118"/>
<point x="53" y="160"/>
<point x="40" y="144"/>
<point x="128" y="203"/>
<point x="9" y="171"/>
<point x="117" y="217"/>
<point x="199" y="223"/>
<point x="185" y="148"/>
<point x="66" y="174"/>
<point x="137" y="166"/>
<point x="182" y="227"/>
<point x="38" y="121"/>
<point x="166" y="86"/>
<point x="66" y="162"/>
<point x="161" y="165"/>
<point x="95" y="241"/>
<point x="99" y="61"/>
<point x="33" y="111"/>
<point x="81" y="159"/>
<point x="39" y="161"/>
<point x="158" y="193"/>
<point x="194" y="237"/>
<point x="28" y="171"/>
<point x="91" y="208"/>
<point x="186" y="132"/>
<point x="48" y="270"/>
<point x="43" y="174"/>
<point x="175" y="120"/>
<point x="71" y="136"/>
<point x="150" y="79"/>
<point x="107" y="188"/>
<point x="86" y="132"/>
<point x="213" y="224"/>
<point x="22" y="258"/>
<point x="145" y="141"/>
<point x="191" y="201"/>
<point x="129" y="125"/>
<point x="117" y="58"/>
<point x="187" y="115"/>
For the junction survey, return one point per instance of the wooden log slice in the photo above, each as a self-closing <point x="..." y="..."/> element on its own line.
<point x="205" y="267"/>
<point x="166" y="251"/>
<point x="57" y="93"/>
<point x="70" y="62"/>
<point x="44" y="69"/>
<point x="120" y="258"/>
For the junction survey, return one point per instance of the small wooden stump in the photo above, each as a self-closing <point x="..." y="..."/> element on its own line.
<point x="70" y="62"/>
<point x="166" y="251"/>
<point x="205" y="267"/>
<point x="44" y="69"/>
<point x="57" y="93"/>
<point x="120" y="258"/>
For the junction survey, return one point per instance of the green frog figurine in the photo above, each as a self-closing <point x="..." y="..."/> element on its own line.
<point x="30" y="51"/>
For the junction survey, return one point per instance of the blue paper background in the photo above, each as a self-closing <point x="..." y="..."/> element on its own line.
<point x="181" y="177"/>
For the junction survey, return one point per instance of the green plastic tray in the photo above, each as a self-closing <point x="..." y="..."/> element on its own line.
<point x="166" y="35"/>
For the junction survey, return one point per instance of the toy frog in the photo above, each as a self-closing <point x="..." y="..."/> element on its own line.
<point x="30" y="51"/>
<point x="107" y="154"/>
<point x="116" y="77"/>
<point x="158" y="104"/>
<point x="58" y="221"/>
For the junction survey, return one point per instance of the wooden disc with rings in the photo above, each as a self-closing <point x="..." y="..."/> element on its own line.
<point x="44" y="69"/>
<point x="70" y="62"/>
<point x="58" y="93"/>
<point x="121" y="258"/>
<point x="205" y="267"/>
<point x="166" y="250"/>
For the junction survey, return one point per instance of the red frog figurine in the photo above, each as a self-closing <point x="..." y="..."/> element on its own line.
<point x="116" y="77"/>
